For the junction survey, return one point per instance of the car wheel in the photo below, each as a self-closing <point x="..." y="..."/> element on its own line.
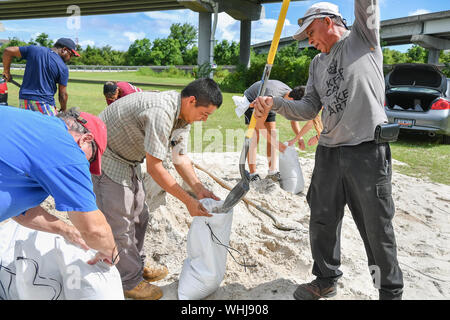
<point x="445" y="139"/>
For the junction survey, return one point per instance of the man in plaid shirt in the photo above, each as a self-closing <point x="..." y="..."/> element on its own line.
<point x="143" y="125"/>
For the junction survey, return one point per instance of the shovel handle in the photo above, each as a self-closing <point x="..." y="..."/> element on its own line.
<point x="277" y="34"/>
<point x="270" y="59"/>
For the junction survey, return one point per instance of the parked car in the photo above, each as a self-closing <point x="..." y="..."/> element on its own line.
<point x="418" y="99"/>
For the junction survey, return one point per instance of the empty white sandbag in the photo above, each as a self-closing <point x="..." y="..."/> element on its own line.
<point x="290" y="171"/>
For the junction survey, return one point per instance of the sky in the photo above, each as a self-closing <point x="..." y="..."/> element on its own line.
<point x="120" y="30"/>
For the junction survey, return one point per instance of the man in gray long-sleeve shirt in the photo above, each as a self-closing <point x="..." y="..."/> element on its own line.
<point x="350" y="168"/>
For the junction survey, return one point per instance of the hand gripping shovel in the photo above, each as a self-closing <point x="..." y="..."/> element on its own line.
<point x="12" y="81"/>
<point x="247" y="201"/>
<point x="243" y="186"/>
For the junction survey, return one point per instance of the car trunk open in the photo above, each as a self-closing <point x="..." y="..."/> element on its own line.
<point x="414" y="87"/>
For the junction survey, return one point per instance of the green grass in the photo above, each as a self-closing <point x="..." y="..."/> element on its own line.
<point x="130" y="76"/>
<point x="425" y="157"/>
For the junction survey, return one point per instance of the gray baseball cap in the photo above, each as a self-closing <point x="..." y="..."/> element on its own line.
<point x="316" y="11"/>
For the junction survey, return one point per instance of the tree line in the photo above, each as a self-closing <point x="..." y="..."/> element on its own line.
<point x="179" y="48"/>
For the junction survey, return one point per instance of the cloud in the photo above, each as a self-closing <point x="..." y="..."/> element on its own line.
<point x="263" y="30"/>
<point x="418" y="12"/>
<point x="174" y="16"/>
<point x="227" y="28"/>
<point x="133" y="36"/>
<point x="86" y="43"/>
<point x="160" y="21"/>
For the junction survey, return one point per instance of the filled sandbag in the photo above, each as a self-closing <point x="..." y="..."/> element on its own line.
<point x="44" y="266"/>
<point x="204" y="268"/>
<point x="291" y="174"/>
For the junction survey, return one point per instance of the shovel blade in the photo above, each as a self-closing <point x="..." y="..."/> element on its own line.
<point x="236" y="194"/>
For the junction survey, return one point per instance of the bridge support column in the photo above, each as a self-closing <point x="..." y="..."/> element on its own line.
<point x="204" y="37"/>
<point x="433" y="55"/>
<point x="244" y="51"/>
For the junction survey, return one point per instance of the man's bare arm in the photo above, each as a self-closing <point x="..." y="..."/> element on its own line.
<point x="165" y="180"/>
<point x="63" y="97"/>
<point x="97" y="233"/>
<point x="39" y="219"/>
<point x="184" y="167"/>
<point x="8" y="55"/>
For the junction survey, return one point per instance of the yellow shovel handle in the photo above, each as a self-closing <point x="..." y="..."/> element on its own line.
<point x="271" y="57"/>
<point x="277" y="34"/>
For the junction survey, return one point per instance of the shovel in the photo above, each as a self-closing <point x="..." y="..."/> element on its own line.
<point x="243" y="186"/>
<point x="276" y="224"/>
<point x="11" y="80"/>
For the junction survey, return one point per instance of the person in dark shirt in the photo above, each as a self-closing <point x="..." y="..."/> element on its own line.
<point x="45" y="69"/>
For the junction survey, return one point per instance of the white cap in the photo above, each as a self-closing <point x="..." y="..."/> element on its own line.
<point x="317" y="10"/>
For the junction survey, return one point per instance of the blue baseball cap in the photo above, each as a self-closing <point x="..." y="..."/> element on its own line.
<point x="68" y="43"/>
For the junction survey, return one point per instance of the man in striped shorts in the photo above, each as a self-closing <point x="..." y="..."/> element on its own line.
<point x="45" y="69"/>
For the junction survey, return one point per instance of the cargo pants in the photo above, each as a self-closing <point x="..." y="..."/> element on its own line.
<point x="360" y="177"/>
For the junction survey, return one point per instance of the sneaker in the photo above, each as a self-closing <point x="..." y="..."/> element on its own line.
<point x="144" y="291"/>
<point x="315" y="290"/>
<point x="152" y="274"/>
<point x="275" y="176"/>
<point x="254" y="177"/>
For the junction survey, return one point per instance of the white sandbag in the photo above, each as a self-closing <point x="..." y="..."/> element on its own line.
<point x="242" y="104"/>
<point x="43" y="266"/>
<point x="204" y="268"/>
<point x="9" y="233"/>
<point x="290" y="171"/>
<point x="37" y="273"/>
<point x="83" y="281"/>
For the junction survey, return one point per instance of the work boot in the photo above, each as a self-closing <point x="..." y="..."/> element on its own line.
<point x="144" y="291"/>
<point x="254" y="177"/>
<point x="152" y="273"/>
<point x="315" y="290"/>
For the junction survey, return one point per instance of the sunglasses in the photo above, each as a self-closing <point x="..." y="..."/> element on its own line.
<point x="94" y="152"/>
<point x="83" y="121"/>
<point x="70" y="52"/>
<point x="302" y="20"/>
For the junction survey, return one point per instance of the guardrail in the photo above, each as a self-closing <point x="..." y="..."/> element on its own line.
<point x="99" y="68"/>
<point x="151" y="84"/>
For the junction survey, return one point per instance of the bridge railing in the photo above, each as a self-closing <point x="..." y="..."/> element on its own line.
<point x="100" y="68"/>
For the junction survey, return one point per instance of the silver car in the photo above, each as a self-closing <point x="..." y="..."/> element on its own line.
<point x="418" y="99"/>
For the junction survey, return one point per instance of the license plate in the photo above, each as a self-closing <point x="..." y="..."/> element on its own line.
<point x="405" y="122"/>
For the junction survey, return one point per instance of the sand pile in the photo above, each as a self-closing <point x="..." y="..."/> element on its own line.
<point x="283" y="259"/>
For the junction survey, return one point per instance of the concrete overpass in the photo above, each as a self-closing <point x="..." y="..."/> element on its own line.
<point x="431" y="31"/>
<point x="243" y="10"/>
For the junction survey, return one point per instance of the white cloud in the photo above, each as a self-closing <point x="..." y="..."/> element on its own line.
<point x="264" y="29"/>
<point x="86" y="43"/>
<point x="133" y="36"/>
<point x="418" y="12"/>
<point x="160" y="21"/>
<point x="227" y="28"/>
<point x="174" y="16"/>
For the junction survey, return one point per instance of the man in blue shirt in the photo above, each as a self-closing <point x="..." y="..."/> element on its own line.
<point x="33" y="167"/>
<point x="45" y="69"/>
